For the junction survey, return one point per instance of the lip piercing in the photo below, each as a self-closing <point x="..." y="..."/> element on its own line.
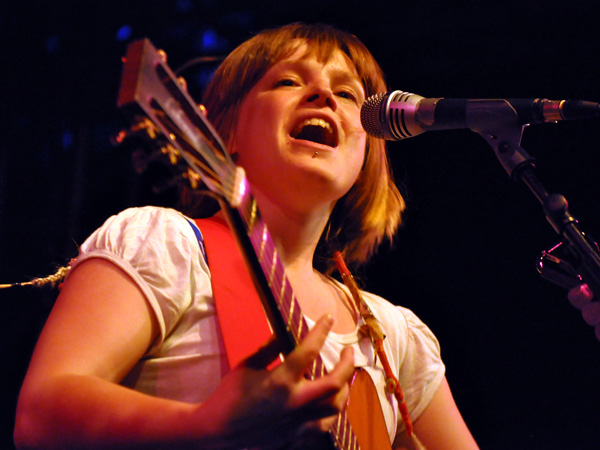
<point x="316" y="154"/>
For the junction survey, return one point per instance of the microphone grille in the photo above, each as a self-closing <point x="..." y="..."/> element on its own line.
<point x="371" y="114"/>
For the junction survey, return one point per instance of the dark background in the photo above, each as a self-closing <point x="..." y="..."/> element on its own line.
<point x="523" y="365"/>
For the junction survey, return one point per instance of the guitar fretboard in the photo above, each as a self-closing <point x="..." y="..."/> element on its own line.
<point x="281" y="296"/>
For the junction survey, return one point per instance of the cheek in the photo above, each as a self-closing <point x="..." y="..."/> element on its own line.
<point x="353" y="125"/>
<point x="256" y="124"/>
<point x="359" y="144"/>
<point x="244" y="131"/>
<point x="360" y="155"/>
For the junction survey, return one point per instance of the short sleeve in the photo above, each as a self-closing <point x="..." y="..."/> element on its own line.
<point x="421" y="368"/>
<point x="158" y="249"/>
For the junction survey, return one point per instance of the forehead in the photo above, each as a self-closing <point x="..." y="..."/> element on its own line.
<point x="331" y="57"/>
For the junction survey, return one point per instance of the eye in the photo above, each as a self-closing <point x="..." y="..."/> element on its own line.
<point x="348" y="94"/>
<point x="285" y="82"/>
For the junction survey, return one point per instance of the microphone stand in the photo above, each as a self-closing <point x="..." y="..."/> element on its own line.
<point x="498" y="123"/>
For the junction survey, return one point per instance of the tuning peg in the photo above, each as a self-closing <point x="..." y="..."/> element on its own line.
<point x="142" y="128"/>
<point x="193" y="178"/>
<point x="162" y="55"/>
<point x="183" y="82"/>
<point x="171" y="152"/>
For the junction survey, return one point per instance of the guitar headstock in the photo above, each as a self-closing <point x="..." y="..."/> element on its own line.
<point x="160" y="107"/>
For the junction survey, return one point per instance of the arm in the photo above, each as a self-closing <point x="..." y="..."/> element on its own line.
<point x="441" y="426"/>
<point x="99" y="328"/>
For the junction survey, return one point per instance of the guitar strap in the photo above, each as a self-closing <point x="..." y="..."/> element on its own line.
<point x="241" y="316"/>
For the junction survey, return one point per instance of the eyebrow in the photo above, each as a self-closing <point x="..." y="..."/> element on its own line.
<point x="340" y="75"/>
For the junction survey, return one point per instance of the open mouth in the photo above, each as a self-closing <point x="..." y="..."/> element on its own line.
<point x="316" y="130"/>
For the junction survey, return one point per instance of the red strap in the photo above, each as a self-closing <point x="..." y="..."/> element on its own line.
<point x="241" y="316"/>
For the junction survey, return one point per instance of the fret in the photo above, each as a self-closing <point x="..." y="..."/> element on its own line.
<point x="263" y="242"/>
<point x="253" y="213"/>
<point x="279" y="276"/>
<point x="274" y="263"/>
<point x="314" y="370"/>
<point x="296" y="325"/>
<point x="255" y="239"/>
<point x="266" y="261"/>
<point x="283" y="291"/>
<point x="259" y="242"/>
<point x="292" y="304"/>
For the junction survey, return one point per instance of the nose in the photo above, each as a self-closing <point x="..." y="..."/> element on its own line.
<point x="322" y="96"/>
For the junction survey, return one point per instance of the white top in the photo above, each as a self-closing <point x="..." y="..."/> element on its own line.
<point x="158" y="249"/>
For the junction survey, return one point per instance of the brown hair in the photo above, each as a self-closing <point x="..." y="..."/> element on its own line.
<point x="371" y="210"/>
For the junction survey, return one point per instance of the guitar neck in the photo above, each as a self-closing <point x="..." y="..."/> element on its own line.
<point x="266" y="268"/>
<point x="274" y="289"/>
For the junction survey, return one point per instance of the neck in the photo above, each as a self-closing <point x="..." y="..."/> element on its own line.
<point x="295" y="232"/>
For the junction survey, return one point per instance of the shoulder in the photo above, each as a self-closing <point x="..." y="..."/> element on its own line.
<point x="146" y="219"/>
<point x="398" y="317"/>
<point x="159" y="250"/>
<point x="140" y="230"/>
<point x="402" y="326"/>
<point x="153" y="242"/>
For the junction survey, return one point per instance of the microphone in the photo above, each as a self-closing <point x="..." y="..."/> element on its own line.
<point x="397" y="115"/>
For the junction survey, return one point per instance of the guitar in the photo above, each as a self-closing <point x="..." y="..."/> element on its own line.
<point x="161" y="108"/>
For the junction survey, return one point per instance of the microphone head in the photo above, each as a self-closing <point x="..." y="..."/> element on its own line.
<point x="391" y="115"/>
<point x="372" y="114"/>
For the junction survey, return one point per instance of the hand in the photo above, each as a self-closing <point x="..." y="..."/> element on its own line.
<point x="254" y="407"/>
<point x="580" y="295"/>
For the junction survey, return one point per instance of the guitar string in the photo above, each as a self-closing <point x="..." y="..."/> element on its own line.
<point x="344" y="437"/>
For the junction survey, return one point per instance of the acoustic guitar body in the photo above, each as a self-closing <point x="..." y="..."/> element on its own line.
<point x="365" y="414"/>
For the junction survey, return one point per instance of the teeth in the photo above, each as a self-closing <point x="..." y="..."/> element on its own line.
<point x="316" y="130"/>
<point x="316" y="122"/>
<point x="320" y="123"/>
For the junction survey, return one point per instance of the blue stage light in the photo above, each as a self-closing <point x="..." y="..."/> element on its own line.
<point x="210" y="40"/>
<point x="124" y="33"/>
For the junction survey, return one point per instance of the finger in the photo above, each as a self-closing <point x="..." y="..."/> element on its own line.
<point x="345" y="370"/>
<point x="312" y="434"/>
<point x="580" y="295"/>
<point x="298" y="361"/>
<point x="330" y="389"/>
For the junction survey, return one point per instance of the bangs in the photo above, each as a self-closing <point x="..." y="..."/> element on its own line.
<point x="322" y="42"/>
